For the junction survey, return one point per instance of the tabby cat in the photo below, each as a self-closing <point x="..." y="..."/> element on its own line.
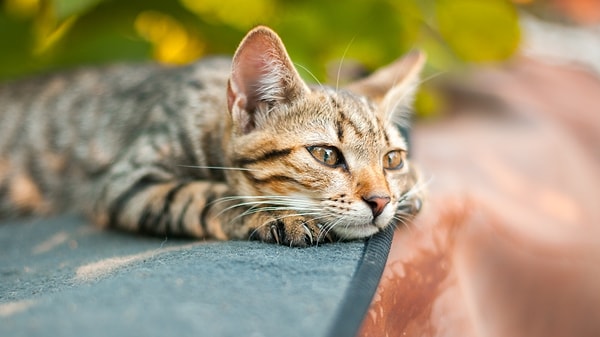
<point x="222" y="149"/>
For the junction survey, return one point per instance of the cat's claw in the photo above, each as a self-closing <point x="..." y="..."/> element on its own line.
<point x="308" y="233"/>
<point x="275" y="233"/>
<point x="291" y="230"/>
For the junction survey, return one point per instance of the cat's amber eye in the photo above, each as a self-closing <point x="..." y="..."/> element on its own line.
<point x="327" y="155"/>
<point x="393" y="160"/>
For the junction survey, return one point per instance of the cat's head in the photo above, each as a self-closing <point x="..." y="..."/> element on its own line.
<point x="335" y="155"/>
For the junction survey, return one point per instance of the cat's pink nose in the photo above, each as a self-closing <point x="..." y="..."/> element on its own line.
<point x="377" y="203"/>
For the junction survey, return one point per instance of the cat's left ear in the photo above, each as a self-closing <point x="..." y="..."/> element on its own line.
<point x="394" y="85"/>
<point x="262" y="75"/>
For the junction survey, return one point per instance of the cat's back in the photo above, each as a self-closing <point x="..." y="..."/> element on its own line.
<point x="87" y="83"/>
<point x="73" y="125"/>
<point x="110" y="99"/>
<point x="32" y="92"/>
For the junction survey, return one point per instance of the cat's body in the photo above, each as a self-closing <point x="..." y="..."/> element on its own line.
<point x="215" y="149"/>
<point x="61" y="131"/>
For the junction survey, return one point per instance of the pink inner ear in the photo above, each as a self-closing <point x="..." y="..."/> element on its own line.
<point x="258" y="68"/>
<point x="262" y="73"/>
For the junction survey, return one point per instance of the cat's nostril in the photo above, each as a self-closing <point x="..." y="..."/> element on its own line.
<point x="377" y="203"/>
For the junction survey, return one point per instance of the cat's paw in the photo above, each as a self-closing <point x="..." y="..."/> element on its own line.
<point x="289" y="229"/>
<point x="411" y="206"/>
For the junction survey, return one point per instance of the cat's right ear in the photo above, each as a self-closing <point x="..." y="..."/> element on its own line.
<point x="404" y="72"/>
<point x="394" y="86"/>
<point x="262" y="75"/>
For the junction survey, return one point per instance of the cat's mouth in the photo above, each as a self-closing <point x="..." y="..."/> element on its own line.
<point x="358" y="231"/>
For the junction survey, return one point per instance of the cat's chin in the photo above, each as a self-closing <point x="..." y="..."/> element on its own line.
<point x="356" y="231"/>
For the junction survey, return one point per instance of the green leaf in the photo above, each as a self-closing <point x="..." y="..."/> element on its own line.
<point x="428" y="103"/>
<point x="479" y="30"/>
<point x="66" y="8"/>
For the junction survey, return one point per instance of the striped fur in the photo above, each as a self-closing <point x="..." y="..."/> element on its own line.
<point x="218" y="149"/>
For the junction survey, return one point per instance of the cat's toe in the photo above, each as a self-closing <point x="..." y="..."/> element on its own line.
<point x="417" y="205"/>
<point x="297" y="232"/>
<point x="290" y="230"/>
<point x="270" y="232"/>
<point x="316" y="233"/>
<point x="309" y="238"/>
<point x="411" y="206"/>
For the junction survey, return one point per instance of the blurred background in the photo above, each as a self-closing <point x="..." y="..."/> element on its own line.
<point x="42" y="35"/>
<point x="509" y="136"/>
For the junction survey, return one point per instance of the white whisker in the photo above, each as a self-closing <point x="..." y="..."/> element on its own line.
<point x="328" y="227"/>
<point x="339" y="71"/>
<point x="218" y="168"/>
<point x="309" y="72"/>
<point x="404" y="220"/>
<point x="419" y="186"/>
<point x="270" y="206"/>
<point x="247" y="200"/>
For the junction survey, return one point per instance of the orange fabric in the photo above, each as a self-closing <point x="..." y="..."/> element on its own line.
<point x="509" y="241"/>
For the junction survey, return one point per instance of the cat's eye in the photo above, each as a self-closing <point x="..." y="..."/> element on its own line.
<point x="327" y="155"/>
<point x="393" y="160"/>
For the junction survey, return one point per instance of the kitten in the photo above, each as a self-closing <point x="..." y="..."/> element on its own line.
<point x="218" y="149"/>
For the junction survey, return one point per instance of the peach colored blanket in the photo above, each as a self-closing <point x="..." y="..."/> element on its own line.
<point x="509" y="241"/>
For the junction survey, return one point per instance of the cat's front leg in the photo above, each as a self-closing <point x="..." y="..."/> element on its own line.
<point x="162" y="205"/>
<point x="154" y="202"/>
<point x="286" y="228"/>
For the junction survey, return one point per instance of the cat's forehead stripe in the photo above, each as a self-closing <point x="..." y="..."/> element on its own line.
<point x="349" y="110"/>
<point x="340" y="130"/>
<point x="344" y="119"/>
<point x="359" y="127"/>
<point x="384" y="132"/>
<point x="355" y="113"/>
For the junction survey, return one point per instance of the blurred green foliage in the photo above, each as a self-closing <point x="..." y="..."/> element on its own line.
<point x="39" y="35"/>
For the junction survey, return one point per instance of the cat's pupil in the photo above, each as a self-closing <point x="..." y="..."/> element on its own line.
<point x="329" y="156"/>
